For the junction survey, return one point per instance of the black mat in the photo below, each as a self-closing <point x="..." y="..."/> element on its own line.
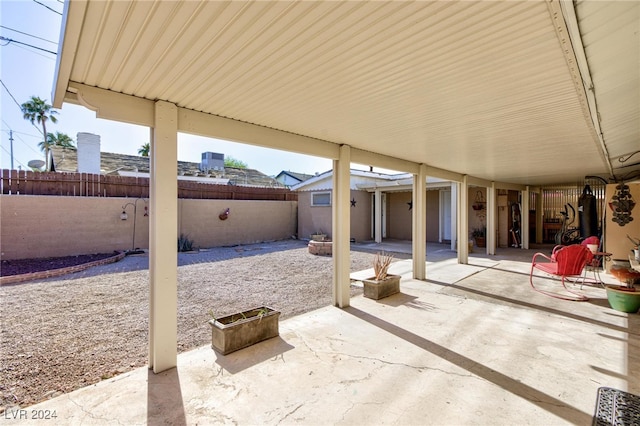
<point x="616" y="407"/>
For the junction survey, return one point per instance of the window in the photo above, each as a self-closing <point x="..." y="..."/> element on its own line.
<point x="321" y="199"/>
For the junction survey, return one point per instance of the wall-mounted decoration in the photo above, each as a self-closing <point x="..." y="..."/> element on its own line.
<point x="353" y="202"/>
<point x="224" y="215"/>
<point x="621" y="204"/>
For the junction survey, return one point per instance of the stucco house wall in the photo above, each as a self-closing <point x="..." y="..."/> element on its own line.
<point x="312" y="219"/>
<point x="34" y="226"/>
<point x="399" y="217"/>
<point x="433" y="216"/>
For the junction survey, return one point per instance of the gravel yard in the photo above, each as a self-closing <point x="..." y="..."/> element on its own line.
<point x="64" y="333"/>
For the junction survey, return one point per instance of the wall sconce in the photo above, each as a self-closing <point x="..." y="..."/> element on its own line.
<point x="224" y="215"/>
<point x="621" y="204"/>
<point x="124" y="215"/>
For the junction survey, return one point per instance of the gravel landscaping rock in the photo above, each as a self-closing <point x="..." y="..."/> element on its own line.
<point x="64" y="333"/>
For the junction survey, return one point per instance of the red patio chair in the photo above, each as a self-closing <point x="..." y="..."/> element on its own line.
<point x="567" y="262"/>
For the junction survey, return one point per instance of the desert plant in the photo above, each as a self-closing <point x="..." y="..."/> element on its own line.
<point x="381" y="263"/>
<point x="184" y="243"/>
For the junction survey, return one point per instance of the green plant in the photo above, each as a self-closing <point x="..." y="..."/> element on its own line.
<point x="184" y="243"/>
<point x="144" y="149"/>
<point x="234" y="162"/>
<point x="381" y="263"/>
<point x="479" y="232"/>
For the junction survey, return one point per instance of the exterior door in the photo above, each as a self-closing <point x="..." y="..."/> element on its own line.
<point x="383" y="221"/>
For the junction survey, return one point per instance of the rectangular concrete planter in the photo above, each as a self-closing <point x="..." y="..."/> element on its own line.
<point x="237" y="331"/>
<point x="374" y="289"/>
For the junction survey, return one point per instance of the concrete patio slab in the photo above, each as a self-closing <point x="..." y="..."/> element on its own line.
<point x="473" y="344"/>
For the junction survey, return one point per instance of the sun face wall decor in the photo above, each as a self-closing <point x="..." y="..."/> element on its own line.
<point x="622" y="204"/>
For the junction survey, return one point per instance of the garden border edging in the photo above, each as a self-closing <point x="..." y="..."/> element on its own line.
<point x="14" y="279"/>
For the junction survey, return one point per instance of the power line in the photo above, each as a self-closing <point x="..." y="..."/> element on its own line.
<point x="10" y="94"/>
<point x="26" y="49"/>
<point x="19" y="106"/>
<point x="20" y="162"/>
<point x="53" y="10"/>
<point x="18" y="132"/>
<point x="19" y="138"/>
<point x="27" y="34"/>
<point x="9" y="40"/>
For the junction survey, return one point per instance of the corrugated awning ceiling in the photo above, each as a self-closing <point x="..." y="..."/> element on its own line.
<point x="478" y="88"/>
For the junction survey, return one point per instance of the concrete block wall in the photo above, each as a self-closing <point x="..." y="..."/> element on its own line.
<point x="247" y="221"/>
<point x="49" y="226"/>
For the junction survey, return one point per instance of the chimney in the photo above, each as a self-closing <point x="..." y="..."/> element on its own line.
<point x="88" y="153"/>
<point x="212" y="161"/>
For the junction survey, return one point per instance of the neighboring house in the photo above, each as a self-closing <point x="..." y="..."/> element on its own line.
<point x="292" y="178"/>
<point x="88" y="158"/>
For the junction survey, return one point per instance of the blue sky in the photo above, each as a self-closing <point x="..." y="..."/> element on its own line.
<point x="26" y="71"/>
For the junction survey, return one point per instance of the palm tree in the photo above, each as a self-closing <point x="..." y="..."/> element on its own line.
<point x="58" y="139"/>
<point x="35" y="109"/>
<point x="144" y="149"/>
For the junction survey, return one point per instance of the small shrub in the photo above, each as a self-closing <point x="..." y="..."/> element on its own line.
<point x="184" y="243"/>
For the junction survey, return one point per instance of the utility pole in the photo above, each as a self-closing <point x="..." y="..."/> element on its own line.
<point x="11" y="146"/>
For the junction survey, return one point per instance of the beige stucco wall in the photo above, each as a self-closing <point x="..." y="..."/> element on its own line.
<point x="399" y="225"/>
<point x="361" y="216"/>
<point x="615" y="235"/>
<point x="399" y="216"/>
<point x="313" y="219"/>
<point x="433" y="216"/>
<point x="47" y="226"/>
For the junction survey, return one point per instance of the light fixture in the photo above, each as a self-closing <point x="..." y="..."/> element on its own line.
<point x="124" y="215"/>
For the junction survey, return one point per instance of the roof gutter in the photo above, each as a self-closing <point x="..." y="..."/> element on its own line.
<point x="565" y="22"/>
<point x="72" y="21"/>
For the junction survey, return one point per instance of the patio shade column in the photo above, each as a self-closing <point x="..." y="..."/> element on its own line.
<point x="419" y="237"/>
<point x="341" y="220"/>
<point x="454" y="214"/>
<point x="377" y="230"/>
<point x="463" y="221"/>
<point x="524" y="219"/>
<point x="539" y="218"/>
<point x="491" y="219"/>
<point x="163" y="256"/>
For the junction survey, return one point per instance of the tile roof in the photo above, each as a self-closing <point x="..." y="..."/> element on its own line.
<point x="66" y="160"/>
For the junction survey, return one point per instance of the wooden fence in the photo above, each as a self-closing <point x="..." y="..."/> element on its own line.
<point x="20" y="182"/>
